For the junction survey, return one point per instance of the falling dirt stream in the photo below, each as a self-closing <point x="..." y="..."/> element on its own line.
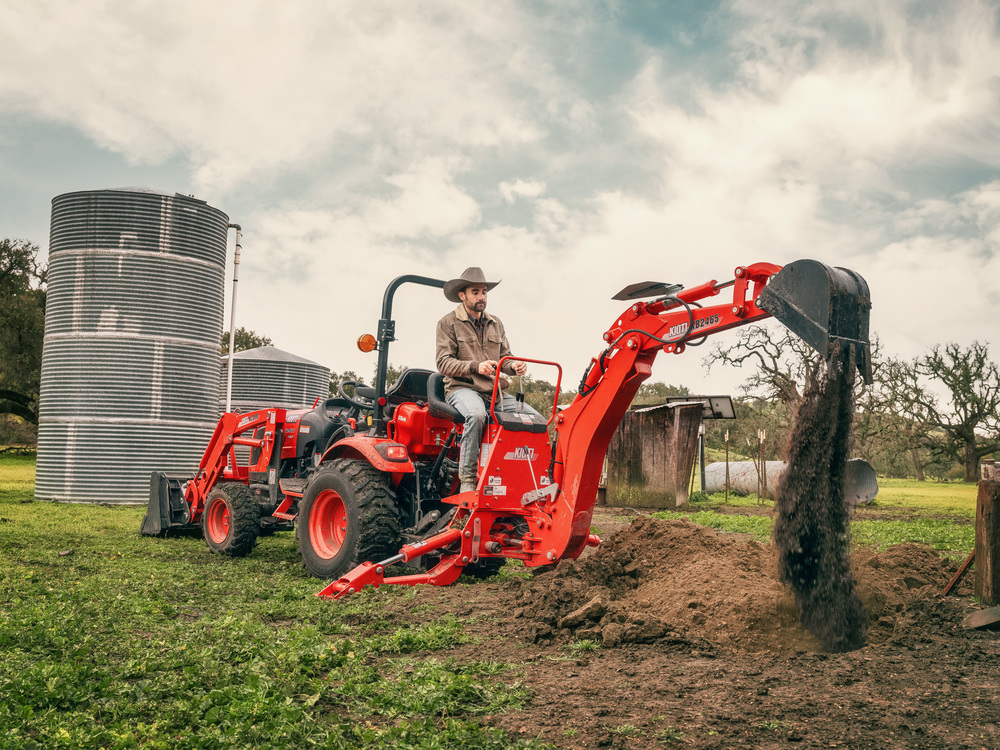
<point x="812" y="523"/>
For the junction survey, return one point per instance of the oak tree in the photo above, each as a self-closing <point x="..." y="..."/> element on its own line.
<point x="22" y="328"/>
<point x="955" y="392"/>
<point x="244" y="340"/>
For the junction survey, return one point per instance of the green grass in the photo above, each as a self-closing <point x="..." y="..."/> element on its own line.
<point x="17" y="474"/>
<point x="131" y="642"/>
<point x="934" y="513"/>
<point x="112" y="640"/>
<point x="670" y="736"/>
<point x="941" y="534"/>
<point x="759" y="527"/>
<point x="953" y="498"/>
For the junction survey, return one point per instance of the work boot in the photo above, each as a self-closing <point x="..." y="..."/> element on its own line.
<point x="468" y="485"/>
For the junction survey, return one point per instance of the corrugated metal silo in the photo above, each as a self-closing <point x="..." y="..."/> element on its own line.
<point x="268" y="376"/>
<point x="132" y="327"/>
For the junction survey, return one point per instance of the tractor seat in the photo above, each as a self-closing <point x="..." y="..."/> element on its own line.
<point x="411" y="385"/>
<point x="436" y="404"/>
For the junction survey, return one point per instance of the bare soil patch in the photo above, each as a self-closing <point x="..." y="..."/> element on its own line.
<point x="701" y="646"/>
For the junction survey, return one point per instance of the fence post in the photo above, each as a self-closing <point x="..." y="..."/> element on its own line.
<point x="987" y="585"/>
<point x="727" y="467"/>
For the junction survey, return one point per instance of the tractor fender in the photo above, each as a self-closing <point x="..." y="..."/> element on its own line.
<point x="372" y="450"/>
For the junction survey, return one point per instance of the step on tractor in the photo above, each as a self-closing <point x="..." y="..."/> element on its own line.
<point x="368" y="478"/>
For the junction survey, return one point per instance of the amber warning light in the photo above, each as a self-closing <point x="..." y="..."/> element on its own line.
<point x="367" y="343"/>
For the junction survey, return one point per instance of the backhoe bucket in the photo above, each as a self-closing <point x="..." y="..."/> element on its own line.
<point x="822" y="305"/>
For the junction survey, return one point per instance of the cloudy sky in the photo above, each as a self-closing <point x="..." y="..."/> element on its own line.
<point x="569" y="148"/>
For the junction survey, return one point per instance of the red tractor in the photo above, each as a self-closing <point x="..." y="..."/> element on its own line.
<point x="369" y="479"/>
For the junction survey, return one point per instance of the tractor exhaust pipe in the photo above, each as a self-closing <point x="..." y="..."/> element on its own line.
<point x="824" y="306"/>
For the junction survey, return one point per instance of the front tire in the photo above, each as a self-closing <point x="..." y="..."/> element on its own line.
<point x="230" y="522"/>
<point x="348" y="516"/>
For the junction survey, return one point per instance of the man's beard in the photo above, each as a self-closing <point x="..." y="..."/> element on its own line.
<point x="479" y="306"/>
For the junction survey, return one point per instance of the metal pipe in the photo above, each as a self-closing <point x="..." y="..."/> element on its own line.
<point x="701" y="454"/>
<point x="232" y="314"/>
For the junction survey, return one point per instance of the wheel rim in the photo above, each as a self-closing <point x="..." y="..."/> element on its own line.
<point x="328" y="524"/>
<point x="217" y="520"/>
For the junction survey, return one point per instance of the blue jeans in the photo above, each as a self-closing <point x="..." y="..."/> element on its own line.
<point x="472" y="406"/>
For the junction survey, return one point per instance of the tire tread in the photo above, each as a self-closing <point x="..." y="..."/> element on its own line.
<point x="378" y="520"/>
<point x="244" y="523"/>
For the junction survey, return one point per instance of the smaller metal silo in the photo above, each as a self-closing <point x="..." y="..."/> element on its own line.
<point x="268" y="376"/>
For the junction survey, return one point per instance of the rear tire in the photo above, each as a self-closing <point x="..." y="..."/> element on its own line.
<point x="348" y="516"/>
<point x="230" y="522"/>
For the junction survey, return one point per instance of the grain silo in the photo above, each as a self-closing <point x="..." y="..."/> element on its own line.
<point x="132" y="327"/>
<point x="267" y="376"/>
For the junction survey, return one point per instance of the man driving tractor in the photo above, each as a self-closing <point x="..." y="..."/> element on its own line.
<point x="470" y="345"/>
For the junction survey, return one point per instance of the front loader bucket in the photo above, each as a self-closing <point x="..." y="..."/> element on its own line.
<point x="822" y="305"/>
<point x="167" y="507"/>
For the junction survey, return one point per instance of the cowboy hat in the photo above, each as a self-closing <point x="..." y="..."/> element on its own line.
<point x="470" y="276"/>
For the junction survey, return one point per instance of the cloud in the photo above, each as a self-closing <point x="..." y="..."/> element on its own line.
<point x="511" y="191"/>
<point x="811" y="151"/>
<point x="553" y="145"/>
<point x="799" y="155"/>
<point x="244" y="89"/>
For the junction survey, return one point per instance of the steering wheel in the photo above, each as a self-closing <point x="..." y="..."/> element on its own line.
<point x="363" y="398"/>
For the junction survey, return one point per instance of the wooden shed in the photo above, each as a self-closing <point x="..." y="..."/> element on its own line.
<point x="651" y="456"/>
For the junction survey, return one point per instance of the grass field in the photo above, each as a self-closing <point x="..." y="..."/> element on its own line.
<point x="939" y="514"/>
<point x="946" y="498"/>
<point x="110" y="640"/>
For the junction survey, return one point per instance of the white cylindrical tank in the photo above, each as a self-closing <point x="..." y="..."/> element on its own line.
<point x="132" y="328"/>
<point x="860" y="482"/>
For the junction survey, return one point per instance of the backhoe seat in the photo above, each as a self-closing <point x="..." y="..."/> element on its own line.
<point x="436" y="404"/>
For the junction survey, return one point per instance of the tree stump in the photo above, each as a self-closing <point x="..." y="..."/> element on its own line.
<point x="987" y="585"/>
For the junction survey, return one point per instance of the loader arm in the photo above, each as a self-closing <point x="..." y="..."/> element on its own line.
<point x="178" y="501"/>
<point x="219" y="461"/>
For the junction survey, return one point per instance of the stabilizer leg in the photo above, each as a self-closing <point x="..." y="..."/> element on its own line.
<point x="373" y="574"/>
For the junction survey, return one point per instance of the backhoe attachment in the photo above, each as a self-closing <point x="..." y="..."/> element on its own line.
<point x="824" y="306"/>
<point x="535" y="496"/>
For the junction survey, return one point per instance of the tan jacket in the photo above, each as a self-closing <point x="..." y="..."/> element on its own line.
<point x="459" y="352"/>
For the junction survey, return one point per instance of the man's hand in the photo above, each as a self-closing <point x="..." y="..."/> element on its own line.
<point x="489" y="367"/>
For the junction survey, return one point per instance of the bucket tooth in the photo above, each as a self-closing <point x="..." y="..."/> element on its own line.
<point x="823" y="306"/>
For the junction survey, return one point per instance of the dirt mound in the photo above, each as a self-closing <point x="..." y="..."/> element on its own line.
<point x="893" y="580"/>
<point x="677" y="583"/>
